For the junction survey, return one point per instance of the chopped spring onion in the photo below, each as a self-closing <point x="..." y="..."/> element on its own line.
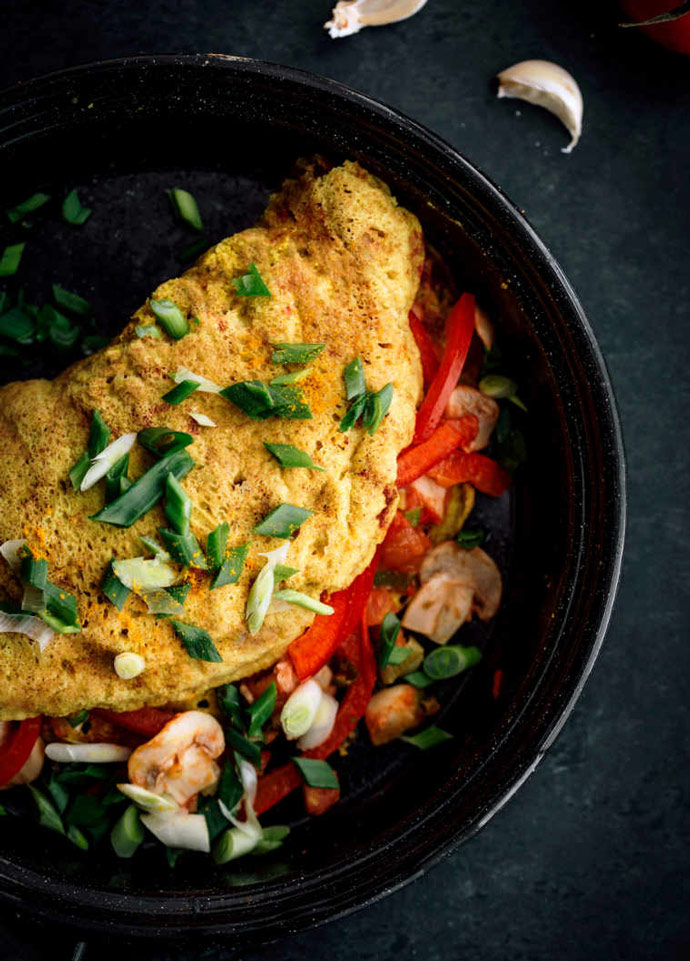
<point x="418" y="679"/>
<point x="353" y="413"/>
<point x="294" y="378"/>
<point x="390" y="628"/>
<point x="273" y="837"/>
<point x="147" y="800"/>
<point x="377" y="407"/>
<point x="33" y="627"/>
<point x="399" y="654"/>
<point x="251" y="284"/>
<point x="261" y="710"/>
<point x="283" y="521"/>
<point x="127" y="833"/>
<point x="206" y="386"/>
<point x="27" y="206"/>
<point x="156" y="549"/>
<point x="413" y="516"/>
<point x="33" y="600"/>
<point x="193" y="251"/>
<point x="282" y="572"/>
<point x="9" y="261"/>
<point x="497" y="386"/>
<point x="129" y="665"/>
<point x="299" y="711"/>
<point x="316" y="773"/>
<point x="202" y="419"/>
<point x="179" y="830"/>
<point x="288" y="596"/>
<point x="180" y="392"/>
<point x="116" y="480"/>
<point x="197" y="642"/>
<point x="178" y="505"/>
<point x="259" y="401"/>
<point x="16" y="324"/>
<point x="141" y="574"/>
<point x="103" y="463"/>
<point x="79" y="470"/>
<point x="234" y="843"/>
<point x="469" y="539"/>
<point x="353" y="375"/>
<point x="322" y="725"/>
<point x="170" y="317"/>
<point x="87" y="753"/>
<point x="12" y="552"/>
<point x="232" y="567"/>
<point x="48" y="816"/>
<point x="295" y="353"/>
<point x="216" y="543"/>
<point x="61" y="610"/>
<point x="185" y="207"/>
<point x="429" y="738"/>
<point x="76" y="720"/>
<point x="72" y="303"/>
<point x="243" y="746"/>
<point x="184" y="548"/>
<point x="163" y="440"/>
<point x="73" y="211"/>
<point x="148" y="330"/>
<point x="34" y="571"/>
<point x="99" y="435"/>
<point x="166" y="601"/>
<point x="289" y="456"/>
<point x="146" y="491"/>
<point x="450" y="660"/>
<point x="229" y="789"/>
<point x="259" y="598"/>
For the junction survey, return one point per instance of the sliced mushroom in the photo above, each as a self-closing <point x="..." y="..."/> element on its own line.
<point x="469" y="400"/>
<point x="393" y="711"/>
<point x="439" y="608"/>
<point x="471" y="569"/>
<point x="349" y="16"/>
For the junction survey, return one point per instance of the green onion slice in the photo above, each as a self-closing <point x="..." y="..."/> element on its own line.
<point x="399" y="654"/>
<point x="288" y="596"/>
<point x="299" y="712"/>
<point x="418" y="679"/>
<point x="113" y="588"/>
<point x="215" y="545"/>
<point x="198" y="643"/>
<point x="243" y="746"/>
<point x="148" y="330"/>
<point x="206" y="386"/>
<point x="146" y="491"/>
<point x="184" y="549"/>
<point x="450" y="660"/>
<point x="469" y="539"/>
<point x="61" y="610"/>
<point x="377" y="407"/>
<point x="73" y="211"/>
<point x="127" y="833"/>
<point x="72" y="303"/>
<point x="142" y="574"/>
<point x="259" y="400"/>
<point x="116" y="480"/>
<point x="273" y="837"/>
<point x="261" y="710"/>
<point x="289" y="456"/>
<point x="229" y="789"/>
<point x="259" y="598"/>
<point x="282" y="572"/>
<point x="105" y="461"/>
<point x="231" y="569"/>
<point x="353" y="375"/>
<point x="28" y="206"/>
<point x="316" y="773"/>
<point x="16" y="324"/>
<point x="353" y="413"/>
<point x="294" y="378"/>
<point x="99" y="434"/>
<point x="180" y="392"/>
<point x="413" y="516"/>
<point x="163" y="440"/>
<point x="251" y="284"/>
<point x="283" y="521"/>
<point x="76" y="720"/>
<point x="11" y="257"/>
<point x="202" y="419"/>
<point x="178" y="505"/>
<point x="295" y="353"/>
<point x="429" y="738"/>
<point x="390" y="628"/>
<point x="170" y="317"/>
<point x="185" y="207"/>
<point x="230" y="701"/>
<point x="34" y="571"/>
<point x="497" y="386"/>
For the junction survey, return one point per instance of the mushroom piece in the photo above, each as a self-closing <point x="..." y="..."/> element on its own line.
<point x="393" y="711"/>
<point x="469" y="400"/>
<point x="456" y="583"/>
<point x="349" y="16"/>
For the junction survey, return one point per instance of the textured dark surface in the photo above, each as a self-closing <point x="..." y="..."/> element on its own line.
<point x="589" y="859"/>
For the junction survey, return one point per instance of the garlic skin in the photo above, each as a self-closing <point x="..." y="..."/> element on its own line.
<point x="349" y="16"/>
<point x="547" y="85"/>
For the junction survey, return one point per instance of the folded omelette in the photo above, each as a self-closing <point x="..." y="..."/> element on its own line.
<point x="342" y="262"/>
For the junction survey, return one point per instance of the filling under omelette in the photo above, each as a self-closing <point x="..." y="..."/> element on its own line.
<point x="263" y="479"/>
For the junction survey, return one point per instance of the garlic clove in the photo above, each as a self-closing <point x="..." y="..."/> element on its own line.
<point x="349" y="16"/>
<point x="547" y="85"/>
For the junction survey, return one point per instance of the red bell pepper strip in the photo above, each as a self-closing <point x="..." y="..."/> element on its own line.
<point x="16" y="751"/>
<point x="476" y="469"/>
<point x="273" y="787"/>
<point x="459" y="330"/>
<point x="404" y="546"/>
<point x="147" y="721"/>
<point x="416" y="461"/>
<point x="317" y="646"/>
<point x="425" y="346"/>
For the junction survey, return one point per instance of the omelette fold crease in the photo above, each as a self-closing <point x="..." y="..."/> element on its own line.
<point x="342" y="262"/>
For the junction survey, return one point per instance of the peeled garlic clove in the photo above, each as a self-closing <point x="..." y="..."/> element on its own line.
<point x="547" y="85"/>
<point x="349" y="16"/>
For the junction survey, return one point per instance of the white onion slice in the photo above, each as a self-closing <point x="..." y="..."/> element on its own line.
<point x="177" y="829"/>
<point x="300" y="709"/>
<point x="321" y="728"/>
<point x="142" y="574"/>
<point x="147" y="800"/>
<point x="206" y="386"/>
<point x="33" y="627"/>
<point x="87" y="753"/>
<point x="202" y="419"/>
<point x="10" y="551"/>
<point x="101" y="463"/>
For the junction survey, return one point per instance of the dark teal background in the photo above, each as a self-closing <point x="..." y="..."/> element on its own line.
<point x="590" y="860"/>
